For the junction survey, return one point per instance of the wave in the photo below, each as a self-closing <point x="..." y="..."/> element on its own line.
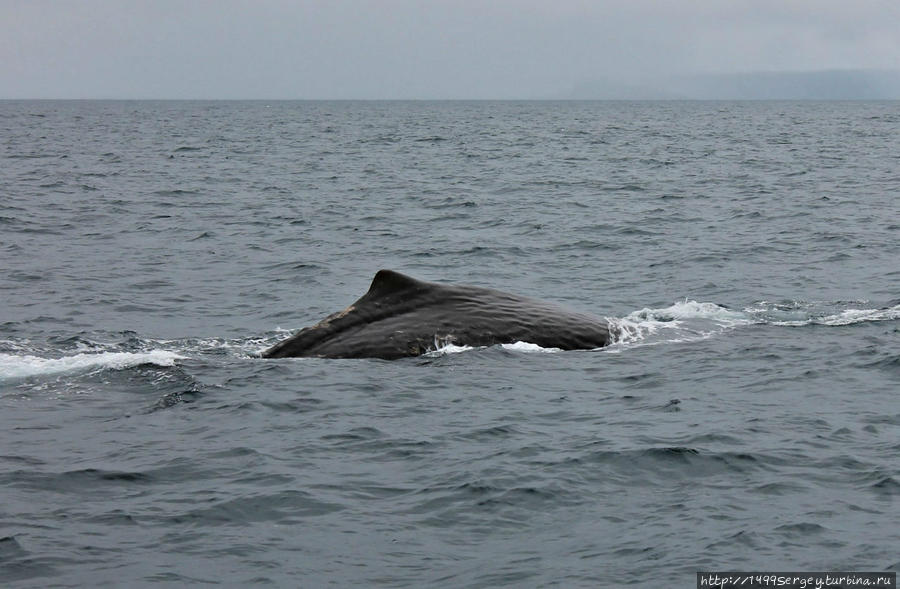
<point x="691" y="320"/>
<point x="682" y="321"/>
<point x="799" y="313"/>
<point x="23" y="358"/>
<point x="24" y="366"/>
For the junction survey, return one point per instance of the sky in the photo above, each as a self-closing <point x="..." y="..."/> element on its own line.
<point x="431" y="49"/>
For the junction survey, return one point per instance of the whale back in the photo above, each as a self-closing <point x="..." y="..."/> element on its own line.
<point x="401" y="316"/>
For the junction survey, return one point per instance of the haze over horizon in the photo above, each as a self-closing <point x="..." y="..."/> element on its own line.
<point x="459" y="49"/>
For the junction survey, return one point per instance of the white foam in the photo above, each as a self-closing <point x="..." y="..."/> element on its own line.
<point x="529" y="348"/>
<point x="847" y="317"/>
<point x="681" y="321"/>
<point x="688" y="310"/>
<point x="861" y="315"/>
<point x="24" y="366"/>
<point x="443" y="347"/>
<point x="798" y="314"/>
<point x="448" y="349"/>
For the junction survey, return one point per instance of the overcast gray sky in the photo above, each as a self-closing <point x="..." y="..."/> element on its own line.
<point x="419" y="48"/>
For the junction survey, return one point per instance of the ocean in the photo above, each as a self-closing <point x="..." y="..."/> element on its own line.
<point x="746" y="418"/>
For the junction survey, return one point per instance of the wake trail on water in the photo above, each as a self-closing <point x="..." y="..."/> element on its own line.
<point x="21" y="360"/>
<point x="24" y="366"/>
<point x="799" y="314"/>
<point x="679" y="322"/>
<point x="692" y="321"/>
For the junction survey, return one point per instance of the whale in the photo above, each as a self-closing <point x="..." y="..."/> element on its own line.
<point x="401" y="316"/>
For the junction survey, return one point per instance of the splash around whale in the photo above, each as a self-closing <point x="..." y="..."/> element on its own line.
<point x="401" y="316"/>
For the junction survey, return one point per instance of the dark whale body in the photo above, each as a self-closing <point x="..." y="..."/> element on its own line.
<point x="401" y="316"/>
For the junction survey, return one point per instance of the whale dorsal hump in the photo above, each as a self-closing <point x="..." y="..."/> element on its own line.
<point x="387" y="282"/>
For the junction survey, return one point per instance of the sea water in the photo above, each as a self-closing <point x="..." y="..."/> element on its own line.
<point x="747" y="417"/>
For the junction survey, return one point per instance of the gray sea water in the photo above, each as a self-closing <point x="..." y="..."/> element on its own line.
<point x="747" y="417"/>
